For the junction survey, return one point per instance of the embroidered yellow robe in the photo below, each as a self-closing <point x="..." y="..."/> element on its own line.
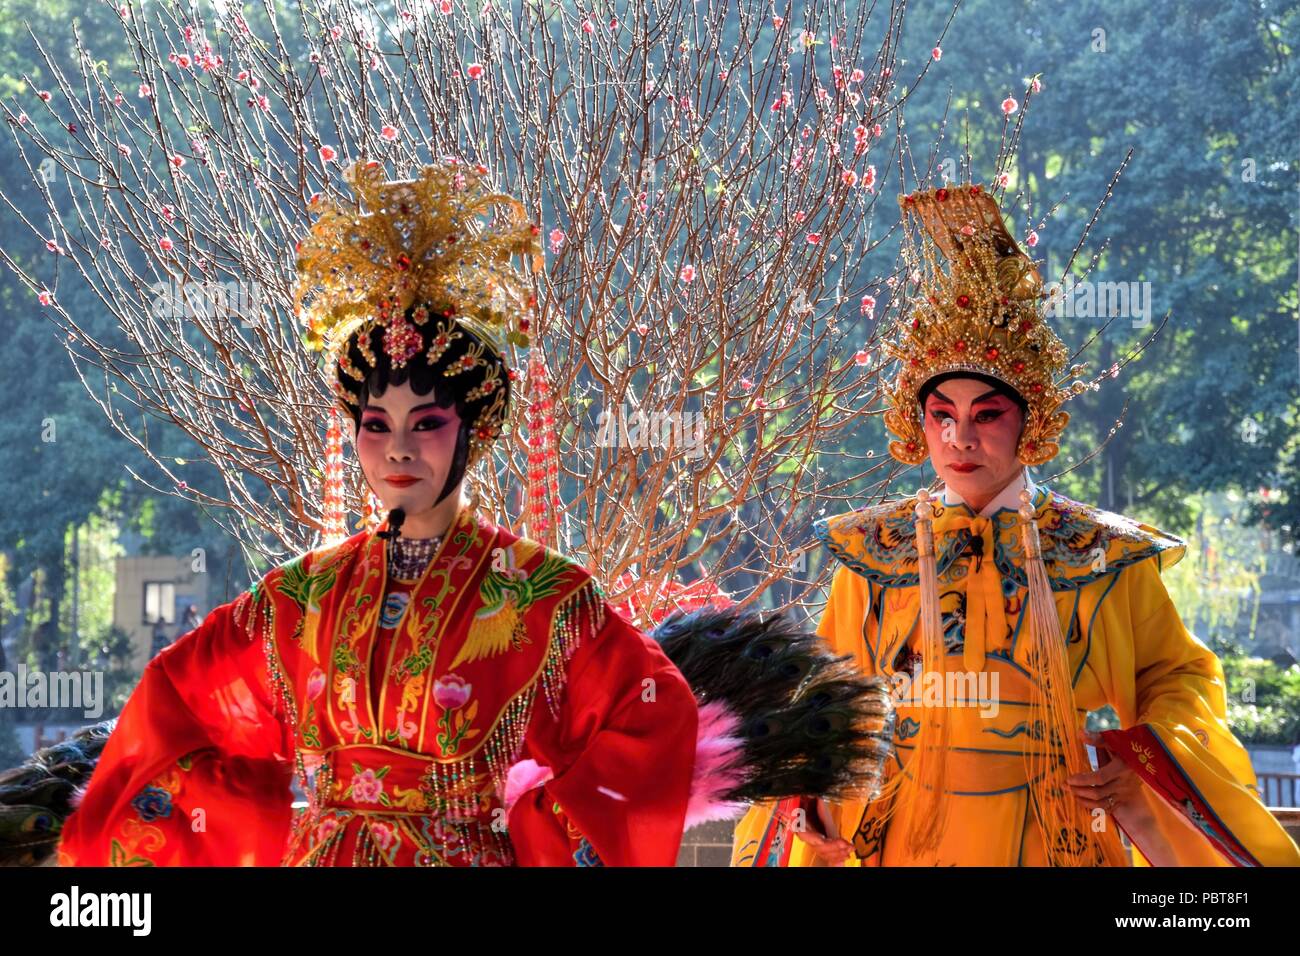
<point x="1127" y="647"/>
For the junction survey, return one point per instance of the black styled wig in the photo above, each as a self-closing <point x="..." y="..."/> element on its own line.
<point x="427" y="378"/>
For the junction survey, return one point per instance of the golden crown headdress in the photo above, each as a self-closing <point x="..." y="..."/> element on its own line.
<point x="983" y="314"/>
<point x="422" y="242"/>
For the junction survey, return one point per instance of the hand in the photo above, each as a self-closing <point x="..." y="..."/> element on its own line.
<point x="1113" y="786"/>
<point x="832" y="851"/>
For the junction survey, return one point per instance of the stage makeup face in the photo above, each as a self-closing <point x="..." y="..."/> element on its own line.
<point x="971" y="431"/>
<point x="406" y="444"/>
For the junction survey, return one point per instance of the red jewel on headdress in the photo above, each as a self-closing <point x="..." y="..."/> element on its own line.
<point x="1026" y="325"/>
<point x="915" y="361"/>
<point x="911" y="446"/>
<point x="1004" y="300"/>
<point x="975" y="190"/>
<point x="916" y="323"/>
<point x="909" y="199"/>
<point x="932" y="353"/>
<point x="534" y="229"/>
<point x="403" y="262"/>
<point x="523" y="325"/>
<point x="364" y="244"/>
<point x="991" y="354"/>
<point x="960" y="345"/>
<point x="1019" y="366"/>
<point x="941" y="194"/>
<point x="933" y="300"/>
<point x="963" y="301"/>
<point x="1031" y="446"/>
<point x="1036" y="387"/>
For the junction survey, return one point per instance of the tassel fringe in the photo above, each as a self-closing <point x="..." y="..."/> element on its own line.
<point x="1051" y="706"/>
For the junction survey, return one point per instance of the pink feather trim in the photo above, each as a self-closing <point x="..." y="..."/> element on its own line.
<point x="75" y="798"/>
<point x="718" y="768"/>
<point x="520" y="778"/>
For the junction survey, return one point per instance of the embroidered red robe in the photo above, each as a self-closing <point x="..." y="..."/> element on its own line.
<point x="503" y="654"/>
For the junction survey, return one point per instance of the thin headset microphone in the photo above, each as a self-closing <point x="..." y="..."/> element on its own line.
<point x="395" y="519"/>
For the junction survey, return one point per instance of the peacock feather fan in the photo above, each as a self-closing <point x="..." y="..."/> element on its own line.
<point x="39" y="795"/>
<point x="810" y="723"/>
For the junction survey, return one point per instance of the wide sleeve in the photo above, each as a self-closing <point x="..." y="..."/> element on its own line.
<point x="1171" y="696"/>
<point x="195" y="772"/>
<point x="617" y="761"/>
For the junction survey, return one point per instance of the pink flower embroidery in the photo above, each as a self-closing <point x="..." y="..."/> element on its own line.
<point x="366" y="787"/>
<point x="315" y="684"/>
<point x="382" y="833"/>
<point x="451" y="692"/>
<point x="325" y="829"/>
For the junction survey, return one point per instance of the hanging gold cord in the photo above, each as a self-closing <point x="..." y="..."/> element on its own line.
<point x="928" y="769"/>
<point x="1068" y="835"/>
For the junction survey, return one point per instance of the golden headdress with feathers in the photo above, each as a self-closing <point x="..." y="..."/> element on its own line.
<point x="983" y="314"/>
<point x="440" y="245"/>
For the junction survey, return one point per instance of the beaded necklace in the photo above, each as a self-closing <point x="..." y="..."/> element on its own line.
<point x="408" y="557"/>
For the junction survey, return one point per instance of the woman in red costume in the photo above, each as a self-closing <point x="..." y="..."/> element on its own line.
<point x="442" y="691"/>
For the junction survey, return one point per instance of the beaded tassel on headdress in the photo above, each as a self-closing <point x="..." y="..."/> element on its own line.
<point x="336" y="528"/>
<point x="543" y="459"/>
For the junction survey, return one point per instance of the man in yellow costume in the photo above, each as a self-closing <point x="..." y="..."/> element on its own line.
<point x="1003" y="612"/>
